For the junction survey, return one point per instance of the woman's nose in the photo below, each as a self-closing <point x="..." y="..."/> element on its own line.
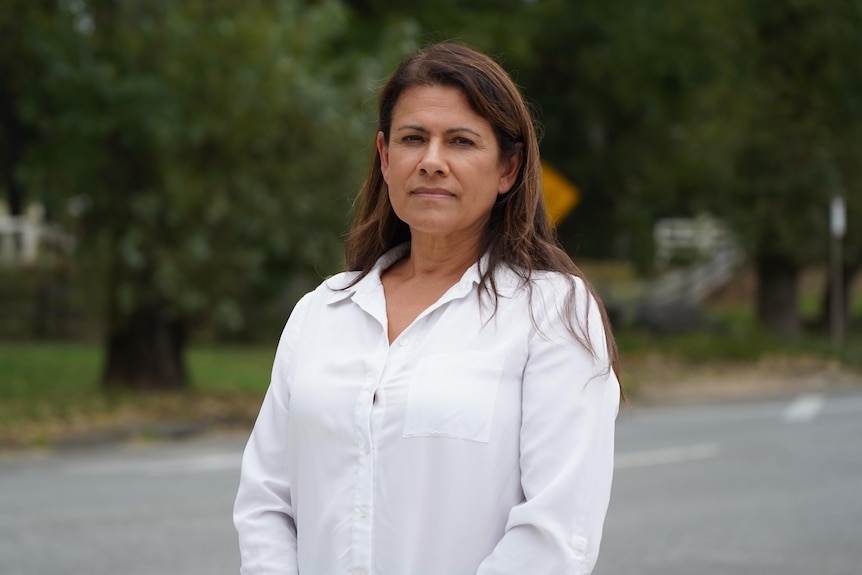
<point x="433" y="159"/>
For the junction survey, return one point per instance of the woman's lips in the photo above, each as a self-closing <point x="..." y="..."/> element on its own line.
<point x="432" y="193"/>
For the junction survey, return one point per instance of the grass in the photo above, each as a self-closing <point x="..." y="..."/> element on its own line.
<point x="53" y="370"/>
<point x="49" y="393"/>
<point x="231" y="369"/>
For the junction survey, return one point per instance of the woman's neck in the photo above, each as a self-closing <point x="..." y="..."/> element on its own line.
<point x="429" y="258"/>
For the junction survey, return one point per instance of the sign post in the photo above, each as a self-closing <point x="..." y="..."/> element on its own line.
<point x="837" y="228"/>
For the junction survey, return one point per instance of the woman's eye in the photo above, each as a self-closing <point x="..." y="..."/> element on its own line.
<point x="463" y="141"/>
<point x="411" y="138"/>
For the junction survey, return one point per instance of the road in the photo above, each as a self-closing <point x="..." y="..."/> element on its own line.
<point x="156" y="509"/>
<point x="751" y="488"/>
<point x="762" y="488"/>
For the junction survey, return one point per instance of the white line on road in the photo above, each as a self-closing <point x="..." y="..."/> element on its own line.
<point x="666" y="455"/>
<point x="202" y="463"/>
<point x="804" y="408"/>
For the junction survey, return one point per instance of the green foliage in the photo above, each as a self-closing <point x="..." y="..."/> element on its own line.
<point x="496" y="26"/>
<point x="799" y="142"/>
<point x="210" y="148"/>
<point x="623" y="91"/>
<point x="734" y="337"/>
<point x="750" y="110"/>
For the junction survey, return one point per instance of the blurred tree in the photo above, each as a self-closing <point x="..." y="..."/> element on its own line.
<point x="842" y="35"/>
<point x="21" y="22"/>
<point x="624" y="92"/>
<point x="801" y="141"/>
<point x="746" y="109"/>
<point x="209" y="147"/>
<point x="495" y="26"/>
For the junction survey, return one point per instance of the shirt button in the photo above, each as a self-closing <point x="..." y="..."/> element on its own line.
<point x="404" y="342"/>
<point x="363" y="512"/>
<point x="361" y="571"/>
<point x="366" y="449"/>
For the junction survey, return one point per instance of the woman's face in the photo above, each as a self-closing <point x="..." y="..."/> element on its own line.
<point x="442" y="165"/>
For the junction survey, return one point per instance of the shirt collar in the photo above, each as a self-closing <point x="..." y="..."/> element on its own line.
<point x="339" y="284"/>
<point x="507" y="281"/>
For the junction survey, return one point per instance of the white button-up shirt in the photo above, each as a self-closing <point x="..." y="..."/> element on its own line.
<point x="476" y="443"/>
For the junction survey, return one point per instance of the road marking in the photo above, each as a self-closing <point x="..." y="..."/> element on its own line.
<point x="804" y="408"/>
<point x="666" y="456"/>
<point x="201" y="463"/>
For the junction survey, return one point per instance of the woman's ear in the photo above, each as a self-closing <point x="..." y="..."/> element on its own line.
<point x="510" y="168"/>
<point x="383" y="152"/>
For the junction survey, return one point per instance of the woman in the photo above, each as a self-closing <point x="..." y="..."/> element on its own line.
<point x="447" y="405"/>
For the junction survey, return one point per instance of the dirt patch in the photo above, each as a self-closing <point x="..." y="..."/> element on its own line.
<point x="135" y="417"/>
<point x="657" y="379"/>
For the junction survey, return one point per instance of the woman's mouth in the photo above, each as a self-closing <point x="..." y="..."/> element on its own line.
<point x="432" y="193"/>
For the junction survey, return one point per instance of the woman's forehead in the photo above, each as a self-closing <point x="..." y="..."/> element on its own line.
<point x="435" y="105"/>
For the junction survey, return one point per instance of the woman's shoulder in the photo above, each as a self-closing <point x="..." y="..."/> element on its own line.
<point x="549" y="295"/>
<point x="334" y="288"/>
<point x="330" y="290"/>
<point x="545" y="283"/>
<point x="339" y="282"/>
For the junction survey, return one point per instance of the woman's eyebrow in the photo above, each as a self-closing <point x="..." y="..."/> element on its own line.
<point x="420" y="128"/>
<point x="463" y="129"/>
<point x="413" y="127"/>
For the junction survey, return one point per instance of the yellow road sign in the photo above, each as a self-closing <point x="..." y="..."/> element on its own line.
<point x="560" y="194"/>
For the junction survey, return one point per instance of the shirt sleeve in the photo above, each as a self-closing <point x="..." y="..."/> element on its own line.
<point x="570" y="399"/>
<point x="263" y="510"/>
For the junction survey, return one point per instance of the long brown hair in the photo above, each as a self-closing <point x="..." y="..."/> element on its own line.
<point x="519" y="233"/>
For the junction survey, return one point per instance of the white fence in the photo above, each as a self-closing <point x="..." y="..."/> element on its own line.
<point x="716" y="252"/>
<point x="23" y="239"/>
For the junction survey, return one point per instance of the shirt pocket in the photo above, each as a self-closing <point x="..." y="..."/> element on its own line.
<point x="453" y="395"/>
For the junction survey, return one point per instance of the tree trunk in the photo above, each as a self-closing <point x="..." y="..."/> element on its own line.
<point x="777" y="291"/>
<point x="11" y="152"/>
<point x="824" y="319"/>
<point x="146" y="351"/>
